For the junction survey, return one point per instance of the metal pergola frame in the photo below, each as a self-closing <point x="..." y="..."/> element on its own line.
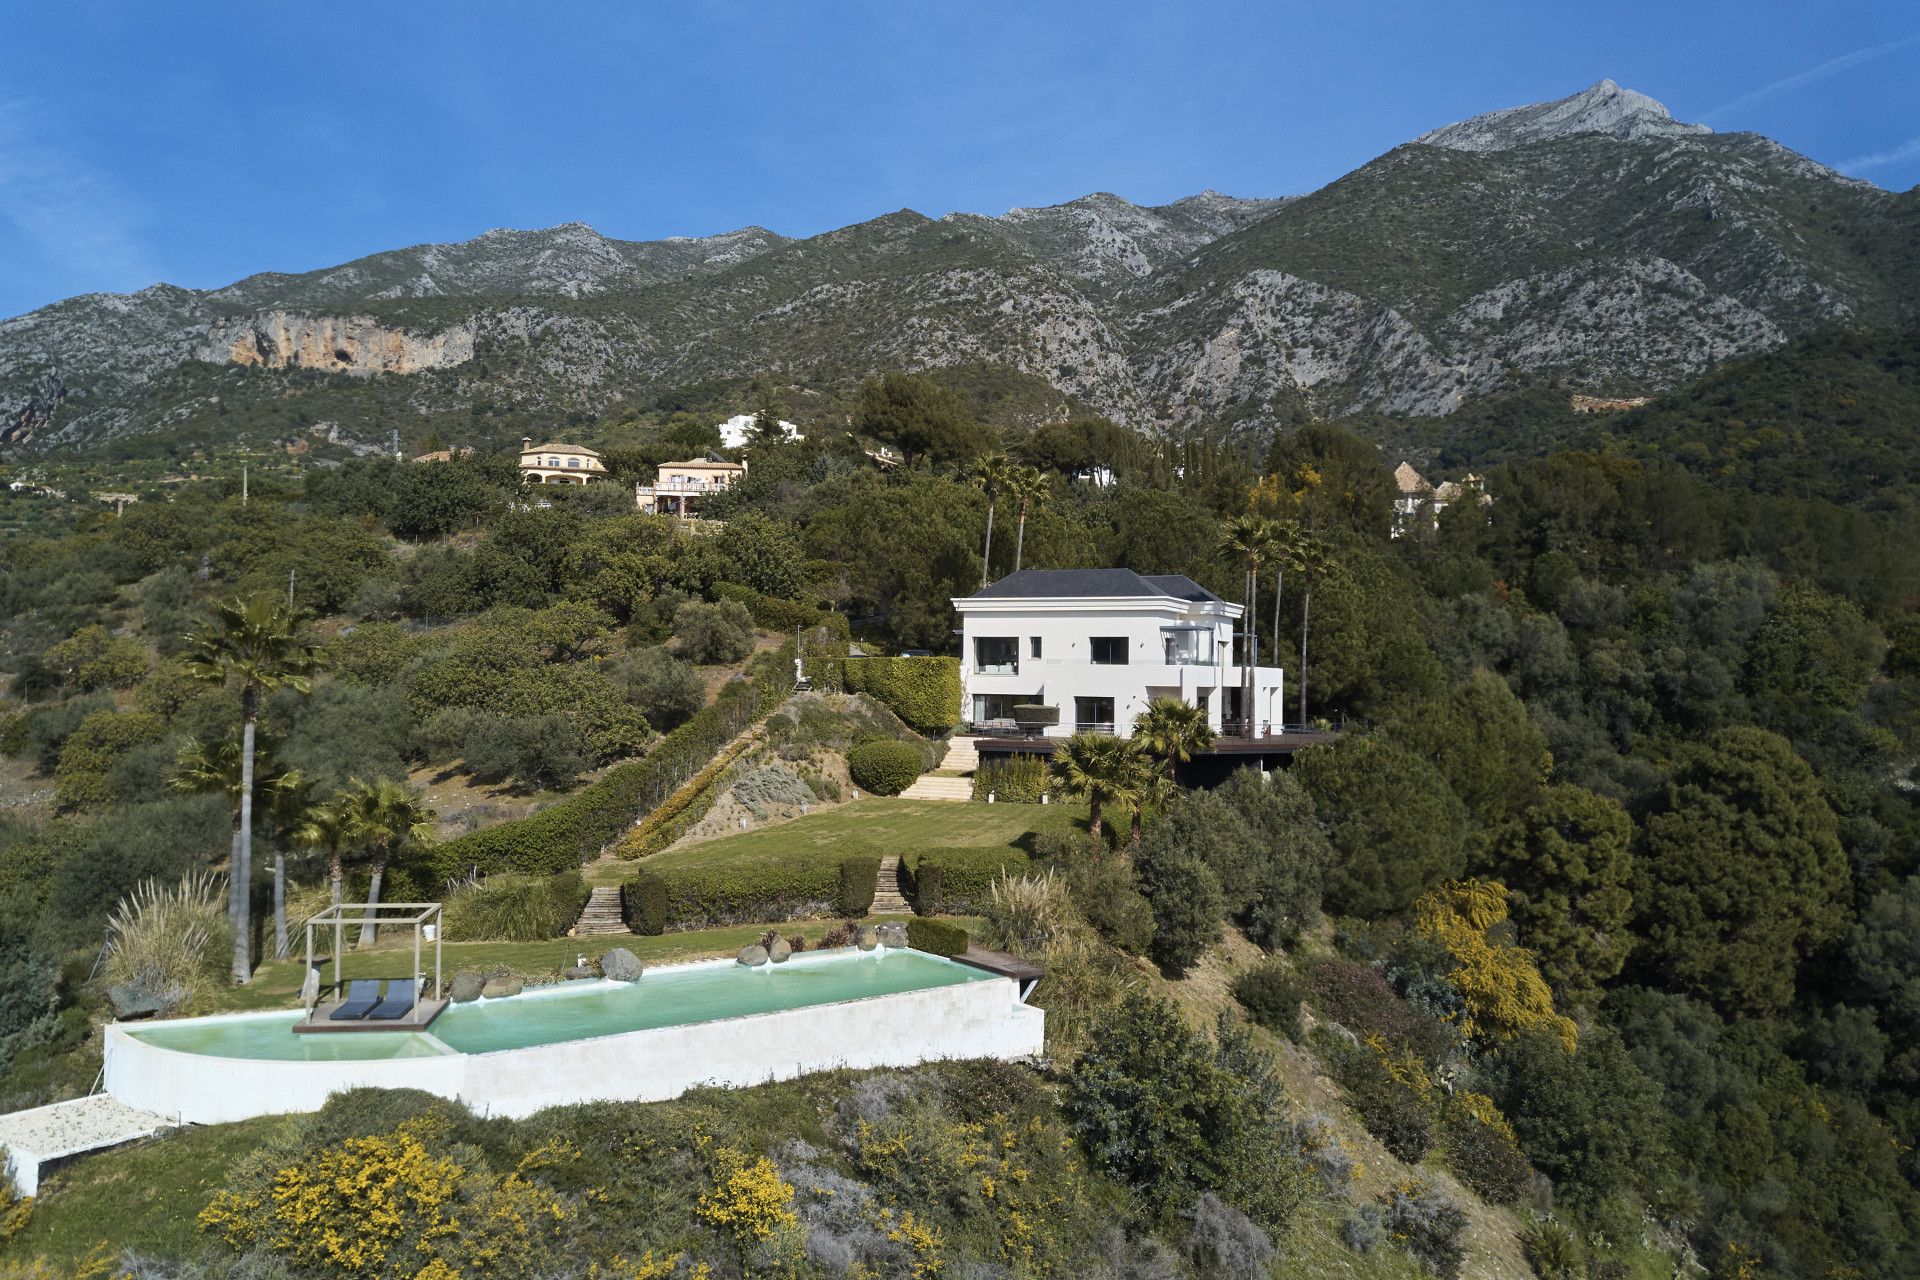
<point x="421" y="915"/>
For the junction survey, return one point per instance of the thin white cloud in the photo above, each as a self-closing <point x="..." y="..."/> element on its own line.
<point x="75" y="216"/>
<point x="1813" y="75"/>
<point x="1908" y="150"/>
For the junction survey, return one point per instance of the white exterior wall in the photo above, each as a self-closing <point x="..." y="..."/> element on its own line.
<point x="1065" y="669"/>
<point x="979" y="1019"/>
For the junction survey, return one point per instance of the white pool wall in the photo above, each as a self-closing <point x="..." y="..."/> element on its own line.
<point x="979" y="1019"/>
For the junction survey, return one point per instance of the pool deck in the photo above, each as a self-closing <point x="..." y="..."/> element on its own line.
<point x="321" y="1021"/>
<point x="1024" y="972"/>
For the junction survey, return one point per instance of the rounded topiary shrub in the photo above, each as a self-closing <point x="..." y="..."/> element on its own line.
<point x="885" y="768"/>
<point x="859" y="879"/>
<point x="644" y="901"/>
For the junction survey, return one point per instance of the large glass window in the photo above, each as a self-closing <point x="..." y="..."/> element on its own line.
<point x="1093" y="715"/>
<point x="1187" y="646"/>
<point x="996" y="655"/>
<point x="1108" y="651"/>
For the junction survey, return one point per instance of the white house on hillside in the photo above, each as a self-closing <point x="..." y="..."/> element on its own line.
<point x="736" y="431"/>
<point x="1098" y="645"/>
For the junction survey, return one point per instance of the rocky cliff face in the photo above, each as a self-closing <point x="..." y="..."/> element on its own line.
<point x="332" y="344"/>
<point x="1593" y="239"/>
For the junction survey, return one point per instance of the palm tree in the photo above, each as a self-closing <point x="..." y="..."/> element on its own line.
<point x="216" y="768"/>
<point x="255" y="644"/>
<point x="290" y="799"/>
<point x="1029" y="485"/>
<point x="325" y="827"/>
<point x="990" y="473"/>
<point x="1250" y="540"/>
<point x="1287" y="537"/>
<point x="385" y="816"/>
<point x="1098" y="769"/>
<point x="1172" y="730"/>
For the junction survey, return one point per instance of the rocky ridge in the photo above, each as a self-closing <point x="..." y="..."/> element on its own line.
<point x="1593" y="239"/>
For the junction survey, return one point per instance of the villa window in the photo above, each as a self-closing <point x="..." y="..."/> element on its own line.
<point x="1034" y="648"/>
<point x="1187" y="646"/>
<point x="996" y="655"/>
<point x="573" y="462"/>
<point x="1093" y="715"/>
<point x="1108" y="651"/>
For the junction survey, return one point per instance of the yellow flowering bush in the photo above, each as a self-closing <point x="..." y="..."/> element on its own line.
<point x="1501" y="989"/>
<point x="752" y="1204"/>
<point x="387" y="1206"/>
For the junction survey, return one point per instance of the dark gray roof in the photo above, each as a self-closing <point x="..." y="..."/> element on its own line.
<point x="1044" y="584"/>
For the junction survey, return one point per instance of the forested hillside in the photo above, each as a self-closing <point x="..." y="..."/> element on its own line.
<point x="1604" y="908"/>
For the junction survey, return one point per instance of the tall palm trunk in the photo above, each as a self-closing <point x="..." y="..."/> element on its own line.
<point x="1279" y="584"/>
<point x="335" y="873"/>
<point x="1020" y="538"/>
<point x="986" y="552"/>
<point x="1139" y="809"/>
<point x="1093" y="815"/>
<point x="373" y="893"/>
<point x="279" y="903"/>
<point x="242" y="899"/>
<point x="1253" y="642"/>
<point x="1306" y="605"/>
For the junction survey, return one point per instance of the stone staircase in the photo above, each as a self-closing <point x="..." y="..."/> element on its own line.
<point x="887" y="898"/>
<point x="602" y="914"/>
<point x="953" y="780"/>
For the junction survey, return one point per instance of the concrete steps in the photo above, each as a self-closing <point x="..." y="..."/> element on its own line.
<point x="602" y="914"/>
<point x="933" y="786"/>
<point x="963" y="756"/>
<point x="887" y="898"/>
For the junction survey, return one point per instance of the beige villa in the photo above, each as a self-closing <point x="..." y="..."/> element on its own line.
<point x="681" y="487"/>
<point x="559" y="463"/>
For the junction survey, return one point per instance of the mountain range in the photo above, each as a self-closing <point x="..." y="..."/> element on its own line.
<point x="1593" y="241"/>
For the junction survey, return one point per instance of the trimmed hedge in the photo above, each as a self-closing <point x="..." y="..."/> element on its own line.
<point x="885" y="768"/>
<point x="564" y="835"/>
<point x="859" y="881"/>
<point x="925" y="692"/>
<point x="644" y="904"/>
<point x="956" y="881"/>
<point x="679" y="811"/>
<point x="938" y="937"/>
<point x="1021" y="780"/>
<point x="756" y="893"/>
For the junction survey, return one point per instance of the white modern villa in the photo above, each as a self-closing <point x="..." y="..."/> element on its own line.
<point x="1098" y="644"/>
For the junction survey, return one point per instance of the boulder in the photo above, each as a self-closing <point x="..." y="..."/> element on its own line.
<point x="866" y="937"/>
<point x="621" y="965"/>
<point x="466" y="987"/>
<point x="130" y="1002"/>
<point x="497" y="987"/>
<point x="754" y="955"/>
<point x="781" y="951"/>
<point x="893" y="935"/>
<point x="575" y="972"/>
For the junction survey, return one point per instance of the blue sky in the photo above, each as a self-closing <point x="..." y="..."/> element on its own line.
<point x="199" y="143"/>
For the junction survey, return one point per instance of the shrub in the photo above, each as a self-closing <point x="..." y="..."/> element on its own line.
<point x="1224" y="1244"/>
<point x="924" y="692"/>
<point x="1028" y="913"/>
<point x="510" y="908"/>
<point x="1105" y="890"/>
<point x="1187" y="906"/>
<point x="1271" y="996"/>
<point x="859" y="879"/>
<point x="1020" y="780"/>
<point x="770" y="788"/>
<point x="1358" y="997"/>
<point x="644" y="903"/>
<point x="535" y="751"/>
<point x="1481" y="1149"/>
<point x="169" y="943"/>
<point x="885" y="768"/>
<point x="1391" y="1093"/>
<point x="1552" y="1251"/>
<point x="713" y="633"/>
<point x="667" y="690"/>
<point x="937" y="937"/>
<point x="90" y="752"/>
<point x="776" y="614"/>
<point x="93" y="659"/>
<point x="1503" y="992"/>
<point x="1428" y="1225"/>
<point x="957" y="881"/>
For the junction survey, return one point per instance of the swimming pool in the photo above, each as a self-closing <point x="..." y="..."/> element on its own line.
<point x="714" y="1022"/>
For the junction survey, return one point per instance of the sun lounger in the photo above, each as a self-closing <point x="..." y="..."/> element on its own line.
<point x="362" y="995"/>
<point x="399" y="1002"/>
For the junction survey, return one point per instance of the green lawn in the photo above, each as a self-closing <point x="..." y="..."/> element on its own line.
<point x="873" y="826"/>
<point x="145" y="1197"/>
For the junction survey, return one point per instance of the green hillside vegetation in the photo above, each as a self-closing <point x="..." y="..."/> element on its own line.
<point x="1587" y="948"/>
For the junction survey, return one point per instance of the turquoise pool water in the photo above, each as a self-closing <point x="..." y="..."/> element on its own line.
<point x="662" y="998"/>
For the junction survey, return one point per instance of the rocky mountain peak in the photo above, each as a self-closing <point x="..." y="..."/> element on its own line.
<point x="1605" y="108"/>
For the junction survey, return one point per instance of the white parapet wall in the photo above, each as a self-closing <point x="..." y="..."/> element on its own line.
<point x="979" y="1019"/>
